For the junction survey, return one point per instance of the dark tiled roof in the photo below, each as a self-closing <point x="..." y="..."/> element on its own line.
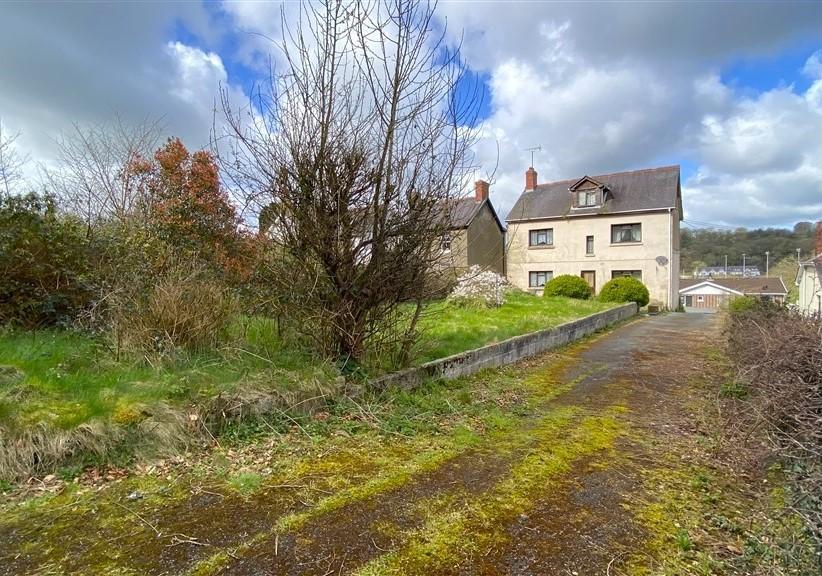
<point x="758" y="285"/>
<point x="462" y="211"/>
<point x="651" y="189"/>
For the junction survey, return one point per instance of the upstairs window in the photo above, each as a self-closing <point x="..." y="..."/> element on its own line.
<point x="538" y="279"/>
<point x="587" y="198"/>
<point x="445" y="242"/>
<point x="626" y="233"/>
<point x="589" y="245"/>
<point x="542" y="237"/>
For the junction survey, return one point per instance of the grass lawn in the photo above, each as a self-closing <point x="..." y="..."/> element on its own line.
<point x="66" y="378"/>
<point x="66" y="392"/>
<point x="448" y="329"/>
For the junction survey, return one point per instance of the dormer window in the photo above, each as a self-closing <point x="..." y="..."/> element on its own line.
<point x="586" y="198"/>
<point x="587" y="193"/>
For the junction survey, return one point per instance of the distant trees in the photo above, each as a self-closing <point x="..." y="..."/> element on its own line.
<point x="355" y="154"/>
<point x="710" y="246"/>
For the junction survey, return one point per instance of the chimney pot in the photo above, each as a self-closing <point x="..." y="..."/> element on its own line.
<point x="530" y="179"/>
<point x="481" y="190"/>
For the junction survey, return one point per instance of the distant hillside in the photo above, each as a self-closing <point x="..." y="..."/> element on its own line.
<point x="708" y="247"/>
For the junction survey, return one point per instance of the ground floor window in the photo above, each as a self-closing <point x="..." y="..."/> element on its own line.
<point x="635" y="273"/>
<point x="538" y="279"/>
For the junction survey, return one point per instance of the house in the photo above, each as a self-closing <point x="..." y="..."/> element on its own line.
<point x="475" y="236"/>
<point x="809" y="279"/>
<point x="711" y="294"/>
<point x="599" y="227"/>
<point x="711" y="271"/>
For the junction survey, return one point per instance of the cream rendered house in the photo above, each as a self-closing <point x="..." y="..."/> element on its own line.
<point x="809" y="280"/>
<point x="599" y="227"/>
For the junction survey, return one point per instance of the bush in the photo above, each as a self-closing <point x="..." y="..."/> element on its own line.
<point x="479" y="288"/>
<point x="742" y="304"/>
<point x="187" y="308"/>
<point x="44" y="259"/>
<point x="569" y="286"/>
<point x="625" y="289"/>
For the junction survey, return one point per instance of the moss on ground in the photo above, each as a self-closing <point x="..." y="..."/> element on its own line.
<point x="450" y="537"/>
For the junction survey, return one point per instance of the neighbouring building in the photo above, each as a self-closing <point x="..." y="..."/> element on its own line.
<point x="715" y="271"/>
<point x="712" y="294"/>
<point x="599" y="227"/>
<point x="476" y="236"/>
<point x="809" y="279"/>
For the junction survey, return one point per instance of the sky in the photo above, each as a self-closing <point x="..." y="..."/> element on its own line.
<point x="731" y="91"/>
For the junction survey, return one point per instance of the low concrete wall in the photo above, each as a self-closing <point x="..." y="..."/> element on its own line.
<point x="505" y="352"/>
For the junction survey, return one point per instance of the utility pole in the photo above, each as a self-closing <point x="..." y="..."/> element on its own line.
<point x="743" y="264"/>
<point x="726" y="265"/>
<point x="767" y="262"/>
<point x="798" y="258"/>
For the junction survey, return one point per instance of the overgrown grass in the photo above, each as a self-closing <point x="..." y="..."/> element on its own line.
<point x="66" y="378"/>
<point x="66" y="399"/>
<point x="447" y="329"/>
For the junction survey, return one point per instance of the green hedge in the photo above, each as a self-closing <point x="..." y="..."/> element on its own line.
<point x="625" y="289"/>
<point x="44" y="259"/>
<point x="569" y="286"/>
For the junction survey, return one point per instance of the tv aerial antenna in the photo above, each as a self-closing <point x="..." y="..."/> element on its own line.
<point x="532" y="150"/>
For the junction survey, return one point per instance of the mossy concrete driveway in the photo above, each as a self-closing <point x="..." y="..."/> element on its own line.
<point x="575" y="474"/>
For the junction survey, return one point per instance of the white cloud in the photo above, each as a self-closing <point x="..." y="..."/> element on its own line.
<point x="86" y="63"/>
<point x="615" y="87"/>
<point x="761" y="161"/>
<point x="601" y="87"/>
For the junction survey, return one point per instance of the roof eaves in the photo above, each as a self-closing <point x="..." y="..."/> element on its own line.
<point x="597" y="213"/>
<point x="708" y="282"/>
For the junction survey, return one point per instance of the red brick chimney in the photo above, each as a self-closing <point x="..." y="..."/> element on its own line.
<point x="481" y="190"/>
<point x="530" y="179"/>
<point x="819" y="238"/>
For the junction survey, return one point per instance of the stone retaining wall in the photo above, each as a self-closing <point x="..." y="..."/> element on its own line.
<point x="505" y="352"/>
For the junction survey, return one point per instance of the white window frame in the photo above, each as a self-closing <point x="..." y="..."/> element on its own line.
<point x="547" y="232"/>
<point x="587" y="198"/>
<point x="622" y="229"/>
<point x="632" y="273"/>
<point x="548" y="275"/>
<point x="445" y="242"/>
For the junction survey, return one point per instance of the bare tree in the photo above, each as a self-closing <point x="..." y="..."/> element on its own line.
<point x="95" y="178"/>
<point x="356" y="153"/>
<point x="11" y="162"/>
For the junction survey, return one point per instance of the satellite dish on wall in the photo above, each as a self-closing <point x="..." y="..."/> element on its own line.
<point x="662" y="260"/>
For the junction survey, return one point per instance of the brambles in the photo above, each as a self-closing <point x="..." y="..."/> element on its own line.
<point x="569" y="286"/>
<point x="777" y="356"/>
<point x="625" y="289"/>
<point x="185" y="309"/>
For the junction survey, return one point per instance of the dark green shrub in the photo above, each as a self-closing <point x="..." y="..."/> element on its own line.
<point x="44" y="262"/>
<point x="625" y="289"/>
<point x="742" y="304"/>
<point x="569" y="286"/>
